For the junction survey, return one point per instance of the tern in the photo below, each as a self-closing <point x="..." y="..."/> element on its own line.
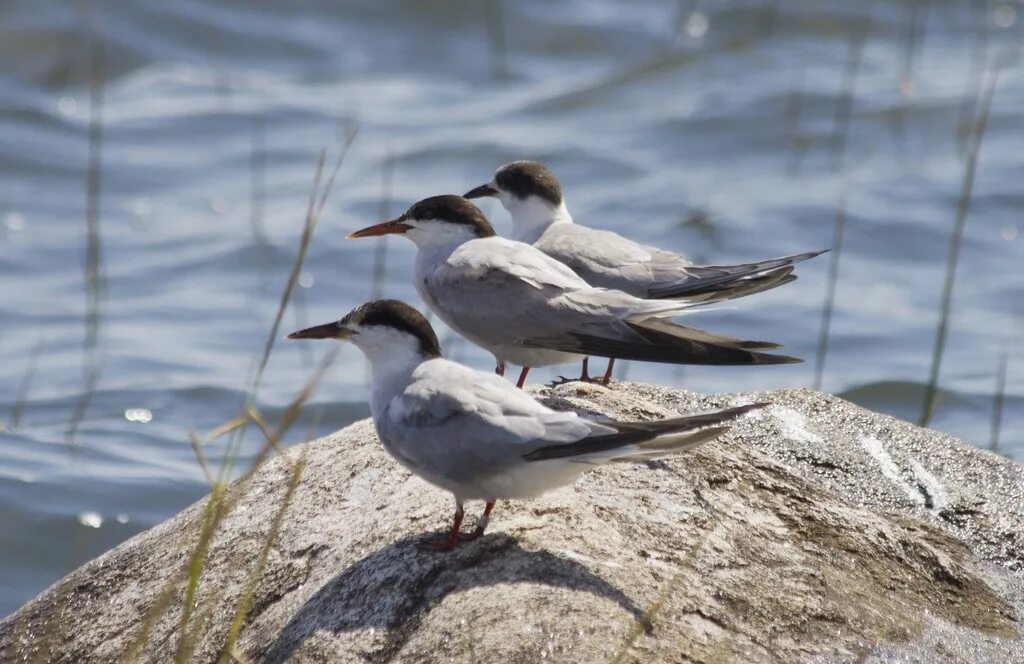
<point x="474" y="435"/>
<point x="530" y="310"/>
<point x="532" y="195"/>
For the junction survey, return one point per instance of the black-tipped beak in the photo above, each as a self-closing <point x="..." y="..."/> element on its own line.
<point x="395" y="226"/>
<point x="481" y="191"/>
<point x="326" y="331"/>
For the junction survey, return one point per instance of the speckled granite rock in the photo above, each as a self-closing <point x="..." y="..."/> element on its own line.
<point x="814" y="531"/>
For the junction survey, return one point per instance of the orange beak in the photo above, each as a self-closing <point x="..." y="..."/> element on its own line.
<point x="383" y="228"/>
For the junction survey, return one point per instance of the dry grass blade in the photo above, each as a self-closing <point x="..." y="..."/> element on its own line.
<point x="242" y="612"/>
<point x="187" y="646"/>
<point x="148" y="622"/>
<point x="197" y="445"/>
<point x="312" y="214"/>
<point x="257" y="417"/>
<point x="293" y="278"/>
<point x="216" y="509"/>
<point x="222" y="499"/>
<point x="223" y="429"/>
<point x="294" y="409"/>
<point x="268" y="435"/>
<point x="351" y="130"/>
<point x="830" y="293"/>
<point x="221" y="503"/>
<point x="955" y="240"/>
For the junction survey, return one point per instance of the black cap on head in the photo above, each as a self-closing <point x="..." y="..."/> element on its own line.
<point x="399" y="315"/>
<point x="452" y="209"/>
<point x="529" y="178"/>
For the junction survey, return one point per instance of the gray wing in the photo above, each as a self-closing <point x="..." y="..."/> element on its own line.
<point x="609" y="260"/>
<point x="501" y="292"/>
<point x="456" y="423"/>
<point x="606" y="259"/>
<point x="723" y="282"/>
<point x="507" y="293"/>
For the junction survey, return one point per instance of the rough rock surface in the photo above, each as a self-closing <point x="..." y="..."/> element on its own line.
<point x="813" y="531"/>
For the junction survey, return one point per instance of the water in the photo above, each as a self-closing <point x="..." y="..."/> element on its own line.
<point x="704" y="127"/>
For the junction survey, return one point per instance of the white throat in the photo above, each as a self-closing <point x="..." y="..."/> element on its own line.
<point x="393" y="356"/>
<point x="432" y="235"/>
<point x="533" y="216"/>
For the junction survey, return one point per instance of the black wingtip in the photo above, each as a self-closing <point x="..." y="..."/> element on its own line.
<point x="765" y="358"/>
<point x="659" y="347"/>
<point x="758" y="345"/>
<point x="629" y="433"/>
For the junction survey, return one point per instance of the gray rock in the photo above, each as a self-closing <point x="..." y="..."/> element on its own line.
<point x="814" y="531"/>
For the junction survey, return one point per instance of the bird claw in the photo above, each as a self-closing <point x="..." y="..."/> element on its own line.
<point x="476" y="533"/>
<point x="593" y="380"/>
<point x="449" y="543"/>
<point x="442" y="544"/>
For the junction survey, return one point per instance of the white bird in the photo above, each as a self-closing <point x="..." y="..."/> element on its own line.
<point x="532" y="195"/>
<point x="473" y="434"/>
<point x="528" y="309"/>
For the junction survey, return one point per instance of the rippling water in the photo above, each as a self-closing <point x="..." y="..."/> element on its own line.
<point x="712" y="128"/>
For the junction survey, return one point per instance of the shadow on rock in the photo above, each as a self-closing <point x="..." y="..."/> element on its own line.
<point x="395" y="587"/>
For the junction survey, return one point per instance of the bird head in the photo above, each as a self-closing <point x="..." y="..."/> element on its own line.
<point x="528" y="190"/>
<point x="381" y="329"/>
<point x="435" y="220"/>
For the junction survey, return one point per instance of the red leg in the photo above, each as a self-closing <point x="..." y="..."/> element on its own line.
<point x="452" y="540"/>
<point x="522" y="377"/>
<point x="481" y="524"/>
<point x="500" y="369"/>
<point x="608" y="373"/>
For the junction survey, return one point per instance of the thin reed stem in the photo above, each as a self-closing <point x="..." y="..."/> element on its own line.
<point x="769" y="17"/>
<point x="955" y="240"/>
<point x="844" y="110"/>
<point x="258" y="180"/>
<point x="978" y="20"/>
<point x="917" y="20"/>
<point x="830" y="293"/>
<point x="245" y="601"/>
<point x="26" y="383"/>
<point x="380" y="254"/>
<point x="794" y="112"/>
<point x="93" y="245"/>
<point x="999" y="399"/>
<point x="494" y="21"/>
